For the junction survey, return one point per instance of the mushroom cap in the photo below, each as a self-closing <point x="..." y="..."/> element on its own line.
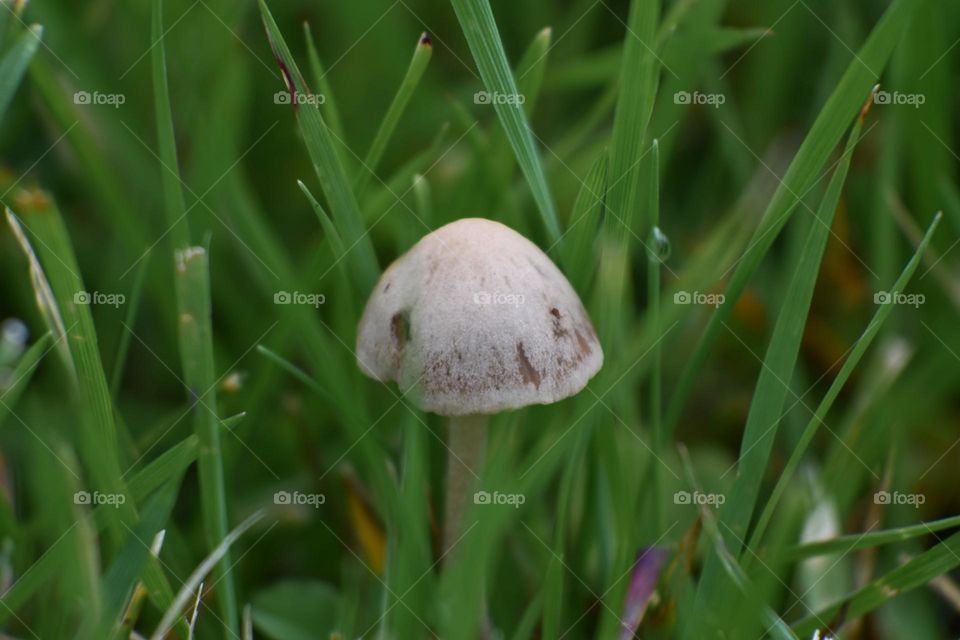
<point x="476" y="319"/>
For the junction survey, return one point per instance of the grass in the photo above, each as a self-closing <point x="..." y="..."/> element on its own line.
<point x="190" y="450"/>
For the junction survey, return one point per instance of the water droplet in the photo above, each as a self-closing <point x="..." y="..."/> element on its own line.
<point x="659" y="248"/>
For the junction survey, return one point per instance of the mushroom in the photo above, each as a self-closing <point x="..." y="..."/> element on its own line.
<point x="473" y="320"/>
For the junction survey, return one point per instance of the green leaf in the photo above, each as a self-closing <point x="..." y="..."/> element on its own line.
<point x="296" y="610"/>
<point x="479" y="27"/>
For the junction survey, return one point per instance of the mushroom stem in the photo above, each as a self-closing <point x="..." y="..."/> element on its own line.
<point x="466" y="448"/>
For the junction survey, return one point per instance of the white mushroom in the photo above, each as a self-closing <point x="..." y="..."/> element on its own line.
<point x="473" y="320"/>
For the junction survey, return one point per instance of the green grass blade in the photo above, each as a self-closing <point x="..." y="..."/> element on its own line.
<point x="322" y="149"/>
<point x="14" y="63"/>
<point x="657" y="247"/>
<point x="553" y="583"/>
<point x="418" y="64"/>
<point x="773" y="383"/>
<point x="130" y="320"/>
<point x="917" y="572"/>
<point x="580" y="248"/>
<point x="857" y="541"/>
<point x="293" y="370"/>
<point x="172" y="463"/>
<point x="479" y="27"/>
<point x="529" y="74"/>
<point x="42" y="292"/>
<point x="170" y="167"/>
<point x="195" y="333"/>
<point x="322" y="80"/>
<point x="167" y="465"/>
<point x="196" y="355"/>
<point x="336" y="243"/>
<point x="776" y="627"/>
<point x="124" y="572"/>
<point x="424" y="199"/>
<point x="826" y="132"/>
<point x="98" y="432"/>
<point x="12" y="388"/>
<point x="639" y="72"/>
<point x="859" y="349"/>
<point x="189" y="587"/>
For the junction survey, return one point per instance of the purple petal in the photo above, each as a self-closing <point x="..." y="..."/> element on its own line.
<point x="646" y="572"/>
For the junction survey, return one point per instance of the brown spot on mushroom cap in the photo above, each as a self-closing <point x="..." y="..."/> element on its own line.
<point x="527" y="371"/>
<point x="489" y="324"/>
<point x="398" y="329"/>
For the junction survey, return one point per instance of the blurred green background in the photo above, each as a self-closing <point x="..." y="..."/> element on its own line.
<point x="774" y="62"/>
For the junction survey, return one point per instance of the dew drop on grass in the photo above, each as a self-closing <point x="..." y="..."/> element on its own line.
<point x="659" y="248"/>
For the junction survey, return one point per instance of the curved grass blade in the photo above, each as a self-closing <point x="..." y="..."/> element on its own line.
<point x="479" y="27"/>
